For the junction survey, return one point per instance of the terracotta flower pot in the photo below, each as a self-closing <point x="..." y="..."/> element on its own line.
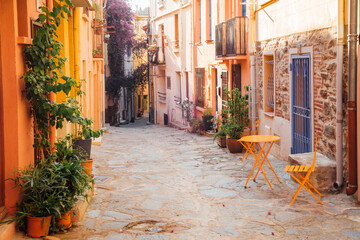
<point x="64" y="221"/>
<point x="221" y="141"/>
<point x="233" y="145"/>
<point x="87" y="164"/>
<point x="38" y="226"/>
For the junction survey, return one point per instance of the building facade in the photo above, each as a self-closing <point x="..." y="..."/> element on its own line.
<point x="17" y="28"/>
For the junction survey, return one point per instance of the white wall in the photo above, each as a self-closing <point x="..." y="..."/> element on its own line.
<point x="294" y="16"/>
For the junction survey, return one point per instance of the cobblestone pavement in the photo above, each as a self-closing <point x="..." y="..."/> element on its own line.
<point x="157" y="183"/>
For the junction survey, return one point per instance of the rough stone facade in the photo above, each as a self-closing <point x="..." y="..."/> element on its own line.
<point x="324" y="55"/>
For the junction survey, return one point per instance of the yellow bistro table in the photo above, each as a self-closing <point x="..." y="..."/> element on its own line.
<point x="250" y="143"/>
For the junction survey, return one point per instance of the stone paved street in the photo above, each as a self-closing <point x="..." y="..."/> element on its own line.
<point x="157" y="183"/>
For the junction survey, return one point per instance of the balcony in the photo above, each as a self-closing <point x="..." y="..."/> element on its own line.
<point x="220" y="33"/>
<point x="162" y="97"/>
<point x="157" y="56"/>
<point x="232" y="37"/>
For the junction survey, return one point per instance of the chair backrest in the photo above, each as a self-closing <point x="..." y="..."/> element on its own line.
<point x="257" y="127"/>
<point x="314" y="160"/>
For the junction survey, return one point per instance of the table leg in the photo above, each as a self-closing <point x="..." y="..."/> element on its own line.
<point x="257" y="162"/>
<point x="265" y="158"/>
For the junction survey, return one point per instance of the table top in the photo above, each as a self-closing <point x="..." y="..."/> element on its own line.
<point x="260" y="138"/>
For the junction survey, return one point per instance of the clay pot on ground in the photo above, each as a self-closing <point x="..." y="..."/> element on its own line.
<point x="87" y="164"/>
<point x="221" y="141"/>
<point x="64" y="221"/>
<point x="207" y="122"/>
<point x="234" y="145"/>
<point x="38" y="226"/>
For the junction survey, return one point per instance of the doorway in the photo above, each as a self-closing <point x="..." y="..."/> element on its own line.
<point x="236" y="76"/>
<point x="301" y="104"/>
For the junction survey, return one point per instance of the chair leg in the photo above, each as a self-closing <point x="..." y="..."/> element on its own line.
<point x="311" y="186"/>
<point x="303" y="182"/>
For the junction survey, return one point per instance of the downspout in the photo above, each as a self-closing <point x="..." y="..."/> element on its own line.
<point x="351" y="104"/>
<point x="52" y="96"/>
<point x="76" y="43"/>
<point x="339" y="96"/>
<point x="252" y="50"/>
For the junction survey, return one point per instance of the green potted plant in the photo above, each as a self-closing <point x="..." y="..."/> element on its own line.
<point x="97" y="52"/>
<point x="220" y="137"/>
<point x="41" y="197"/>
<point x="74" y="177"/>
<point x="207" y="117"/>
<point x="197" y="125"/>
<point x="85" y="133"/>
<point x="237" y="119"/>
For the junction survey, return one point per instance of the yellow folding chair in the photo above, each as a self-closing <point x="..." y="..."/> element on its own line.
<point x="256" y="132"/>
<point x="303" y="181"/>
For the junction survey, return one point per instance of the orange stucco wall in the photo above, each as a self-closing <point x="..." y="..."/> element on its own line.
<point x="16" y="118"/>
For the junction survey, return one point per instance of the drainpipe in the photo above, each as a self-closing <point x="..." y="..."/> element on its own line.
<point x="52" y="135"/>
<point x="351" y="104"/>
<point x="252" y="51"/>
<point x="339" y="109"/>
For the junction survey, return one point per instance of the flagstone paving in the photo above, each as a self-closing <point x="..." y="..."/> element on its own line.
<point x="157" y="183"/>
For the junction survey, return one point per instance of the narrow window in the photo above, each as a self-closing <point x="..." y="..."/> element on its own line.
<point x="168" y="82"/>
<point x="244" y="8"/>
<point x="176" y="27"/>
<point x="199" y="86"/>
<point x="208" y="21"/>
<point x="198" y="21"/>
<point x="269" y="84"/>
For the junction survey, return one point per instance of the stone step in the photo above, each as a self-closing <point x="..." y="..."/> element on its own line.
<point x="324" y="174"/>
<point x="178" y="125"/>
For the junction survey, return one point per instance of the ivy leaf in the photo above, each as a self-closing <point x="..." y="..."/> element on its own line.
<point x="42" y="18"/>
<point x="66" y="10"/>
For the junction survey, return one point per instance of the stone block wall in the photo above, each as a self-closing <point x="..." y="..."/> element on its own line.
<point x="324" y="55"/>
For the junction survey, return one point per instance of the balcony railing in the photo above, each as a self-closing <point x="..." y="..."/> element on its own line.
<point x="232" y="37"/>
<point x="157" y="56"/>
<point x="220" y="33"/>
<point x="162" y="97"/>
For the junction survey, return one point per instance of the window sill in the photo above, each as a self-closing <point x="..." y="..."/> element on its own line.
<point x="24" y="40"/>
<point x="269" y="114"/>
<point x="198" y="44"/>
<point x="85" y="17"/>
<point x="201" y="109"/>
<point x="209" y="41"/>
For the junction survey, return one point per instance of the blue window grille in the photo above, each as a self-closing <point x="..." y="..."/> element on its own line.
<point x="244" y="8"/>
<point x="269" y="98"/>
<point x="301" y="104"/>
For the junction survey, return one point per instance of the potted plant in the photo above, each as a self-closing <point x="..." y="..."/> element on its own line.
<point x="237" y="119"/>
<point x="41" y="197"/>
<point x="220" y="137"/>
<point x="73" y="175"/>
<point x="197" y="126"/>
<point x="83" y="139"/>
<point x="97" y="53"/>
<point x="207" y="117"/>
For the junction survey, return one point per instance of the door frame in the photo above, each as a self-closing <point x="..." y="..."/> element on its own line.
<point x="303" y="51"/>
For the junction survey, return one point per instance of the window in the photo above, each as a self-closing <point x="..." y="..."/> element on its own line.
<point x="244" y="8"/>
<point x="35" y="26"/>
<point x="199" y="86"/>
<point x="208" y="21"/>
<point x="224" y="84"/>
<point x="177" y="96"/>
<point x="168" y="82"/>
<point x="269" y="84"/>
<point x="198" y="21"/>
<point x="176" y="27"/>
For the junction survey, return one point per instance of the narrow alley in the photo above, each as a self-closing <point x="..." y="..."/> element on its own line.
<point x="154" y="182"/>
